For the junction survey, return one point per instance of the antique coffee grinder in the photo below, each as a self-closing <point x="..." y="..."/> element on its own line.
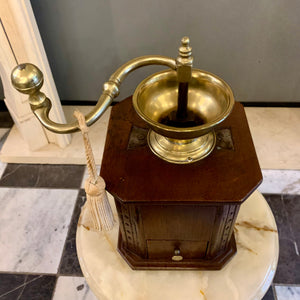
<point x="179" y="161"/>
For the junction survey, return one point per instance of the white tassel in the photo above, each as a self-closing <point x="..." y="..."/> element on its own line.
<point x="97" y="201"/>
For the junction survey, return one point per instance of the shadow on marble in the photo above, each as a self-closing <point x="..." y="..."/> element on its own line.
<point x="4" y="132"/>
<point x="24" y="287"/>
<point x="34" y="225"/>
<point x="2" y="168"/>
<point x="69" y="264"/>
<point x="68" y="287"/>
<point x="6" y="120"/>
<point x="286" y="210"/>
<point x="47" y="176"/>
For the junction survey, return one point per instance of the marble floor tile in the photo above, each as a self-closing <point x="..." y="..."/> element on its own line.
<point x="34" y="225"/>
<point x="285" y="292"/>
<point x="269" y="295"/>
<point x="278" y="208"/>
<point x="292" y="206"/>
<point x="288" y="268"/>
<point x="54" y="176"/>
<point x="69" y="264"/>
<point x="24" y="287"/>
<point x="286" y="212"/>
<point x="74" y="288"/>
<point x="280" y="182"/>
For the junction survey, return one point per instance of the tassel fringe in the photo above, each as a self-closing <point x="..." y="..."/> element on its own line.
<point x="97" y="200"/>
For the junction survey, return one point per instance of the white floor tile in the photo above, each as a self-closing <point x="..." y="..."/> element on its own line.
<point x="284" y="292"/>
<point x="280" y="182"/>
<point x="74" y="288"/>
<point x="34" y="225"/>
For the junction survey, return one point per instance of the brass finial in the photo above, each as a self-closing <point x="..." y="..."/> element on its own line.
<point x="184" y="61"/>
<point x="27" y="78"/>
<point x="185" y="51"/>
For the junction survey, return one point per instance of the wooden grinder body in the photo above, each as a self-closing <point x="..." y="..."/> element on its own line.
<point x="177" y="216"/>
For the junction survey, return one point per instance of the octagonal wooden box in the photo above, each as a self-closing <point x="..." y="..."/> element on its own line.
<point x="177" y="216"/>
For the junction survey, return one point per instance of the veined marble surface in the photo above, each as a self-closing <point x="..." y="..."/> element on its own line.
<point x="287" y="292"/>
<point x="73" y="288"/>
<point x="34" y="225"/>
<point x="280" y="182"/>
<point x="247" y="276"/>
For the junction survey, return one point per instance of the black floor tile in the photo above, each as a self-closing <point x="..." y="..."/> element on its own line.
<point x="69" y="263"/>
<point x="292" y="207"/>
<point x="269" y="295"/>
<point x="288" y="268"/>
<point x="286" y="210"/>
<point x="278" y="208"/>
<point x="24" y="287"/>
<point x="46" y="176"/>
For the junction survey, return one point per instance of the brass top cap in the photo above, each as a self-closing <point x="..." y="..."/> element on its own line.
<point x="185" y="50"/>
<point x="27" y="78"/>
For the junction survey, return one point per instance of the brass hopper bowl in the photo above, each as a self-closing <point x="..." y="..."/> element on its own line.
<point x="209" y="97"/>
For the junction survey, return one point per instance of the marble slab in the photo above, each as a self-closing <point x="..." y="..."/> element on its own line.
<point x="275" y="133"/>
<point x="280" y="182"/>
<point x="284" y="292"/>
<point x="73" y="288"/>
<point x="15" y="149"/>
<point x="247" y="276"/>
<point x="34" y="225"/>
<point x="69" y="264"/>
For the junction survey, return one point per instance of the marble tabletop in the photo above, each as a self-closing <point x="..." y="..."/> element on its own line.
<point x="247" y="276"/>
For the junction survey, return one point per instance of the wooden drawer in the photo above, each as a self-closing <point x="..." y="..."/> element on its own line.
<point x="166" y="248"/>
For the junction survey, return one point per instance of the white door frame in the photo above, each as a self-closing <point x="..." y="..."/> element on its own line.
<point x="20" y="40"/>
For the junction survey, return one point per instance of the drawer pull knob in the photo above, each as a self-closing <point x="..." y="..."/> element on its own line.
<point x="177" y="256"/>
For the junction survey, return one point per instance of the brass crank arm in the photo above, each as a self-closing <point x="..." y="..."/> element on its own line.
<point x="28" y="79"/>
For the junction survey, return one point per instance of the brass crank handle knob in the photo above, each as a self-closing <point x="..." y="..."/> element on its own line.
<point x="28" y="79"/>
